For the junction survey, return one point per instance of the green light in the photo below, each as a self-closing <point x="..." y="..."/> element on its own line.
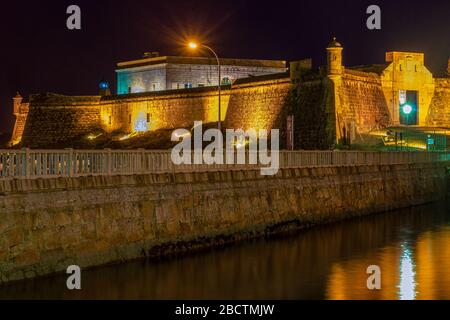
<point x="406" y="109"/>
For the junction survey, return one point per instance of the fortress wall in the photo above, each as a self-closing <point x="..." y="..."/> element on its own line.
<point x="54" y="120"/>
<point x="166" y="110"/>
<point x="314" y="114"/>
<point x="259" y="105"/>
<point x="361" y="103"/>
<point x="322" y="109"/>
<point x="48" y="224"/>
<point x="439" y="114"/>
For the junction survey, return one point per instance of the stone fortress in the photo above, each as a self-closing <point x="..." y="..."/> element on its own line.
<point x="329" y="106"/>
<point x="155" y="73"/>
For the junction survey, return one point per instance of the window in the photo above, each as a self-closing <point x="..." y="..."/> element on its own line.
<point x="201" y="85"/>
<point x="153" y="86"/>
<point x="129" y="118"/>
<point x="148" y="117"/>
<point x="110" y="120"/>
<point x="188" y="85"/>
<point x="129" y="89"/>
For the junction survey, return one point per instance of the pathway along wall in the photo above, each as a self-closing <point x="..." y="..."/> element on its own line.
<point x="49" y="224"/>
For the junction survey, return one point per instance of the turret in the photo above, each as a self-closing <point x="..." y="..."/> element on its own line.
<point x="334" y="58"/>
<point x="17" y="100"/>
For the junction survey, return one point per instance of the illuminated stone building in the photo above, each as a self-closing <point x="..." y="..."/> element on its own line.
<point x="331" y="105"/>
<point x="401" y="90"/>
<point x="155" y="73"/>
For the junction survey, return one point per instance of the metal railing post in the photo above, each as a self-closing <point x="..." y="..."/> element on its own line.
<point x="109" y="160"/>
<point x="69" y="166"/>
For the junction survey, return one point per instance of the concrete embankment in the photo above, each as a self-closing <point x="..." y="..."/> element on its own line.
<point x="49" y="224"/>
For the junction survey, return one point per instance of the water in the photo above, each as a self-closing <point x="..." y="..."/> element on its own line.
<point x="411" y="246"/>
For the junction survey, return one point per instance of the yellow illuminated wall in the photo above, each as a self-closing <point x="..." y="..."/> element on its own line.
<point x="367" y="98"/>
<point x="407" y="71"/>
<point x="163" y="111"/>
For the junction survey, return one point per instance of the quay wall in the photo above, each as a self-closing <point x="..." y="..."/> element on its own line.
<point x="48" y="224"/>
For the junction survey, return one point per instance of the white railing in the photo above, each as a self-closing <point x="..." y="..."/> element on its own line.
<point x="26" y="163"/>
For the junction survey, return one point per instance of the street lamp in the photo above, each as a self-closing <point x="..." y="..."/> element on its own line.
<point x="193" y="45"/>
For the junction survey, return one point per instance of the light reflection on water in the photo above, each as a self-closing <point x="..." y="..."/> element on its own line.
<point x="407" y="286"/>
<point x="411" y="246"/>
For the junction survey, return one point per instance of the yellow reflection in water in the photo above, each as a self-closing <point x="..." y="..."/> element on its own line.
<point x="411" y="270"/>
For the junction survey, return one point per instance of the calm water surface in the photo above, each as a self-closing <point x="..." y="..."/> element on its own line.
<point x="412" y="248"/>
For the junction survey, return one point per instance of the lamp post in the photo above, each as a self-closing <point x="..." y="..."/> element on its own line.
<point x="194" y="45"/>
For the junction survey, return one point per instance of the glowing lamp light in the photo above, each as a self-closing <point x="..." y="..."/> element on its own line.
<point x="125" y="137"/>
<point x="187" y="134"/>
<point x="406" y="109"/>
<point x="93" y="136"/>
<point x="192" y="45"/>
<point x="240" y="143"/>
<point x="104" y="85"/>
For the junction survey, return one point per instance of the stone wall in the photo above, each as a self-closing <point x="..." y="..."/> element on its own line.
<point x="360" y="104"/>
<point x="167" y="73"/>
<point x="165" y="110"/>
<point x="439" y="114"/>
<point x="260" y="105"/>
<point x="53" y="121"/>
<point x="326" y="110"/>
<point x="48" y="224"/>
<point x="314" y="114"/>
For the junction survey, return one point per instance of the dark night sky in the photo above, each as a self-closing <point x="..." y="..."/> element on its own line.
<point x="39" y="54"/>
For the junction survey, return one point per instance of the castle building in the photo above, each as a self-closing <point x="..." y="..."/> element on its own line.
<point x="332" y="105"/>
<point x="400" y="92"/>
<point x="159" y="73"/>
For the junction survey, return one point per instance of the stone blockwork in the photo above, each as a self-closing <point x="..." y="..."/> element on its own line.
<point x="46" y="225"/>
<point x="159" y="73"/>
<point x="53" y="120"/>
<point x="163" y="110"/>
<point x="260" y="105"/>
<point x="439" y="115"/>
<point x="362" y="106"/>
<point x="314" y="114"/>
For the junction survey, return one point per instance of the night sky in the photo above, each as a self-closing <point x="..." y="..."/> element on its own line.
<point x="39" y="54"/>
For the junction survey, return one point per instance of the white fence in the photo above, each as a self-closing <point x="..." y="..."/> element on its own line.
<point x="26" y="163"/>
